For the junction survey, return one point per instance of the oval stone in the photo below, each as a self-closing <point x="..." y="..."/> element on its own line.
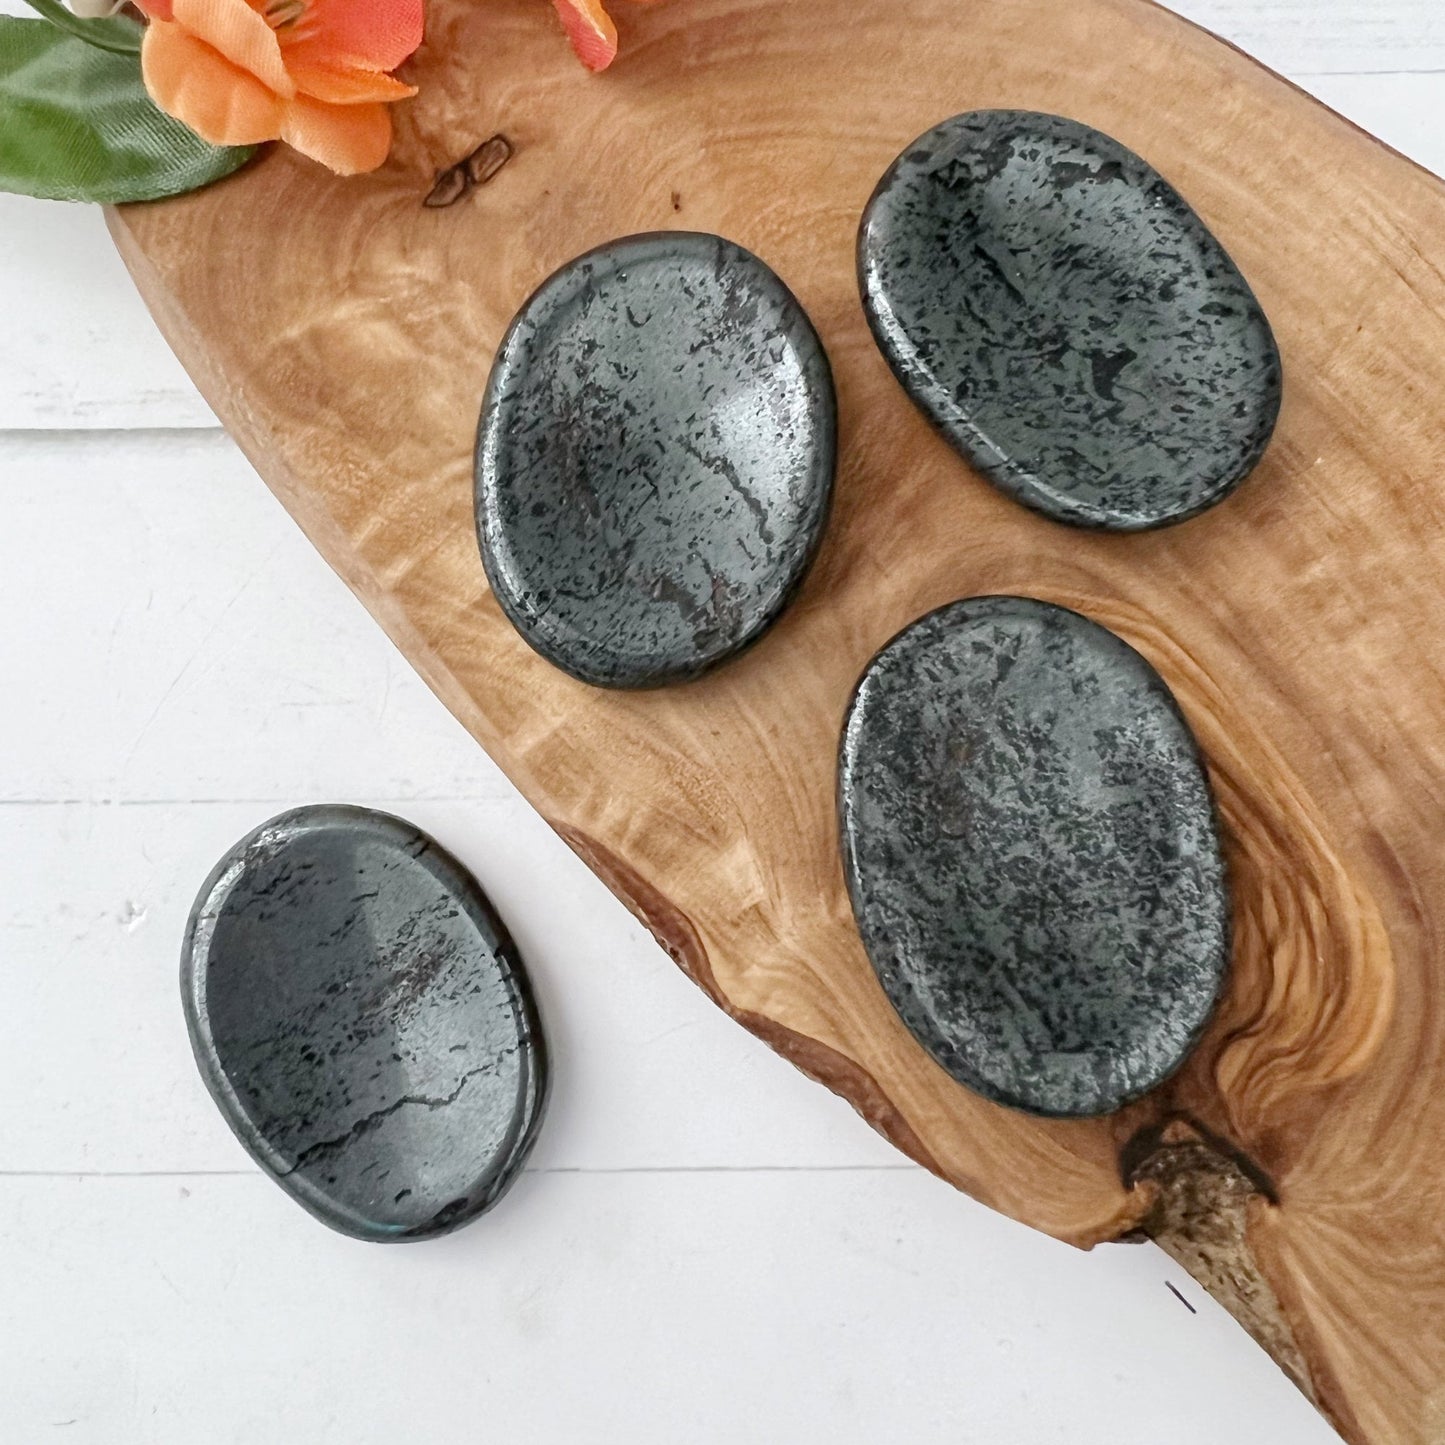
<point x="362" y="1019"/>
<point x="1070" y="325"/>
<point x="655" y="459"/>
<point x="1030" y="848"/>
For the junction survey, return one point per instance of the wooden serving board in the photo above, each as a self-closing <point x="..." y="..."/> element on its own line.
<point x="343" y="332"/>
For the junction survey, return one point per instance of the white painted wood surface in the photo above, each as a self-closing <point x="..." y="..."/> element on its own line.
<point x="707" y="1248"/>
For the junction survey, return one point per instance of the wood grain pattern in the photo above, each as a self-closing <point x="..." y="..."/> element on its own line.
<point x="344" y="334"/>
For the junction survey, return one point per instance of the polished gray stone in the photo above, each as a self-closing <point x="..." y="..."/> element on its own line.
<point x="1065" y="319"/>
<point x="1031" y="851"/>
<point x="655" y="459"/>
<point x="362" y="1019"/>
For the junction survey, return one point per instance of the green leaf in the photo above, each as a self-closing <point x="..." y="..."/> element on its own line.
<point x="119" y="33"/>
<point x="76" y="124"/>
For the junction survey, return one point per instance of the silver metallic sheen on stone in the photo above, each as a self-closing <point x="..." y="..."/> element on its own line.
<point x="1068" y="323"/>
<point x="364" y="1023"/>
<point x="1031" y="851"/>
<point x="655" y="459"/>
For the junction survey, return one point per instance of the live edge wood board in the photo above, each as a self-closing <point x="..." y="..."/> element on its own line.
<point x="343" y="332"/>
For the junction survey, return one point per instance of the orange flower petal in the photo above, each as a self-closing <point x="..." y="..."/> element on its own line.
<point x="218" y="100"/>
<point x="348" y="87"/>
<point x="154" y="9"/>
<point x="240" y="34"/>
<point x="346" y="138"/>
<point x="591" y="31"/>
<point x="360" y="34"/>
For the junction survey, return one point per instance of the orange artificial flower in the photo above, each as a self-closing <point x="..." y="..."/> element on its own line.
<point x="591" y="31"/>
<point x="313" y="73"/>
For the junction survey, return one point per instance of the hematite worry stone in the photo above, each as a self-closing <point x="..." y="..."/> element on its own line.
<point x="655" y="459"/>
<point x="1068" y="323"/>
<point x="1030" y="846"/>
<point x="362" y="1019"/>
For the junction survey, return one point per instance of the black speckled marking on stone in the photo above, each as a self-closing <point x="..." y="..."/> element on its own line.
<point x="1061" y="315"/>
<point x="655" y="459"/>
<point x="363" y="1021"/>
<point x="1031" y="850"/>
